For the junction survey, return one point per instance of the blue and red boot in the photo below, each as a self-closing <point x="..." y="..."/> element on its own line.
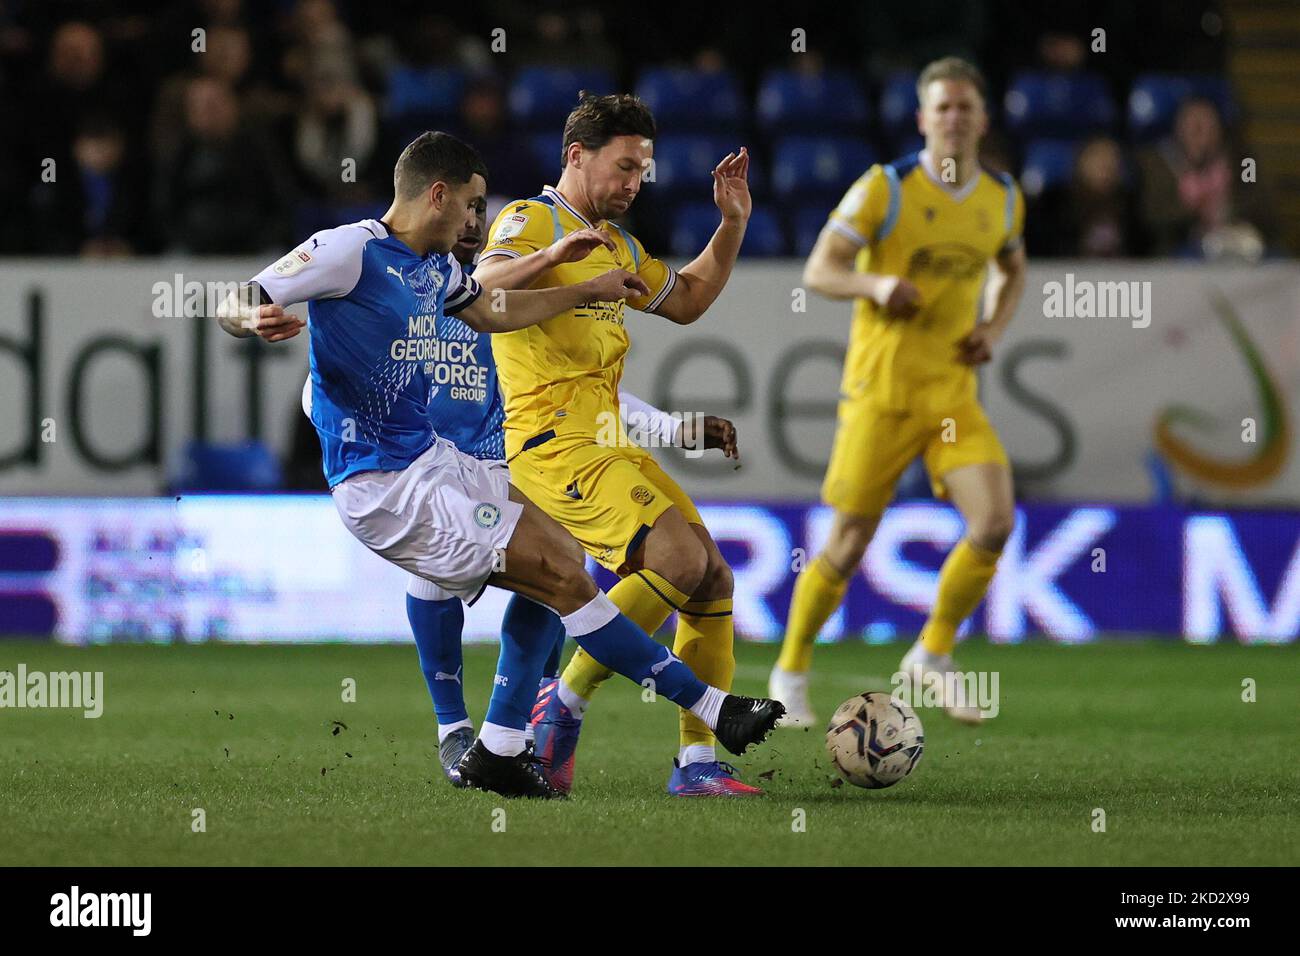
<point x="555" y="736"/>
<point x="712" y="778"/>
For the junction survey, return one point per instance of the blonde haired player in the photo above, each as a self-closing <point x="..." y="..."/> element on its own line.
<point x="910" y="243"/>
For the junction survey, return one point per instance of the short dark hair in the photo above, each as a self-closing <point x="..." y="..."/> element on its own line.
<point x="431" y="157"/>
<point x="598" y="119"/>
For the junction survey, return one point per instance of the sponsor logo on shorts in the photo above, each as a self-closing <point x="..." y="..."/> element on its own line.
<point x="642" y="495"/>
<point x="487" y="515"/>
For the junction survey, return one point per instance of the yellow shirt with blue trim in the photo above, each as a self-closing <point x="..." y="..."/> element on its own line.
<point x="908" y="222"/>
<point x="561" y="374"/>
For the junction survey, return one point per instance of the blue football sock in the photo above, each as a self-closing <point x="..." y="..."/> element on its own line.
<point x="615" y="641"/>
<point x="437" y="628"/>
<point x="528" y="640"/>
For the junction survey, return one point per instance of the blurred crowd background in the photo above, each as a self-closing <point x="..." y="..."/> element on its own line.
<point x="241" y="147"/>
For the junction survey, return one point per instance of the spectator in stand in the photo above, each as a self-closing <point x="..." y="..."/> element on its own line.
<point x="337" y="124"/>
<point x="318" y="39"/>
<point x="228" y="58"/>
<point x="512" y="171"/>
<point x="1095" y="215"/>
<point x="74" y="85"/>
<point x="225" y="191"/>
<point x="1194" y="201"/>
<point x="100" y="209"/>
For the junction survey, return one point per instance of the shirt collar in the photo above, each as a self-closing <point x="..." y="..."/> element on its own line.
<point x="956" y="192"/>
<point x="559" y="198"/>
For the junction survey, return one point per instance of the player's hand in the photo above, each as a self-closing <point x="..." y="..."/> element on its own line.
<point x="898" y="297"/>
<point x="271" y="322"/>
<point x="731" y="186"/>
<point x="976" y="347"/>
<point x="578" y="245"/>
<point x="718" y="433"/>
<point x="721" y="433"/>
<point x="616" y="284"/>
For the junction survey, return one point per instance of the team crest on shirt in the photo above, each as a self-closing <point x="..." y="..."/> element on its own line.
<point x="511" y="225"/>
<point x="291" y="264"/>
<point x="642" y="495"/>
<point x="486" y="515"/>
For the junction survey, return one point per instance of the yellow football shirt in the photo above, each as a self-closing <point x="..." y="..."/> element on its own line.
<point x="562" y="374"/>
<point x="909" y="223"/>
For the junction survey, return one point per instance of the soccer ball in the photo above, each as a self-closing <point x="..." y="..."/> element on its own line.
<point x="874" y="740"/>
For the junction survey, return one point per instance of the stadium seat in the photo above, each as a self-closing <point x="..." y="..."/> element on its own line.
<point x="1061" y="105"/>
<point x="1048" y="163"/>
<point x="683" y="165"/>
<point x="690" y="99"/>
<point x="818" y="167"/>
<point x="542" y="97"/>
<point x="693" y="223"/>
<point x="419" y="92"/>
<point x="792" y="101"/>
<point x="806" y="225"/>
<point x="546" y="149"/>
<point x="1155" y="97"/>
<point x="898" y="105"/>
<point x="249" y="466"/>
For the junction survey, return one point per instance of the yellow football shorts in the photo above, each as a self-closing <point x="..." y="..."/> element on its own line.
<point x="873" y="446"/>
<point x="607" y="498"/>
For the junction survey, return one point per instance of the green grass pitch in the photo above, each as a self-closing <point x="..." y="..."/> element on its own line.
<point x="1155" y="734"/>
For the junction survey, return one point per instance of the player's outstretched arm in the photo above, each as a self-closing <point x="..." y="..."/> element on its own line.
<point x="504" y="272"/>
<point x="500" y="310"/>
<point x="692" y="431"/>
<point x="830" y="271"/>
<point x="700" y="281"/>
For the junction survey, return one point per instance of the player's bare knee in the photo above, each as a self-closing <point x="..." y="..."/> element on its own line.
<point x="717" y="582"/>
<point x="990" y="532"/>
<point x="687" y="568"/>
<point x="848" y="542"/>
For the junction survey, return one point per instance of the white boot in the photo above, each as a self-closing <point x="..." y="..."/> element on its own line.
<point x="791" y="689"/>
<point x="917" y="663"/>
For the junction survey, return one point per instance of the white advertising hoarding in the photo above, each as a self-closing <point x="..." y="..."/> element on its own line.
<point x="105" y="372"/>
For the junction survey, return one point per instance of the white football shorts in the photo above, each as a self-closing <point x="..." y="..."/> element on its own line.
<point x="446" y="518"/>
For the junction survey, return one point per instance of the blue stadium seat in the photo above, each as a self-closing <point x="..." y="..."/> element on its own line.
<point x="546" y="149"/>
<point x="689" y="99"/>
<point x="818" y="167"/>
<point x="683" y="165"/>
<point x="807" y="225"/>
<point x="249" y="466"/>
<point x="1062" y="105"/>
<point x="1155" y="97"/>
<point x="791" y="101"/>
<point x="423" y="92"/>
<point x="543" y="96"/>
<point x="693" y="223"/>
<point x="1048" y="163"/>
<point x="898" y="105"/>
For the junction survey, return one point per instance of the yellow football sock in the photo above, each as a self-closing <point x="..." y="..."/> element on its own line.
<point x="705" y="638"/>
<point x="645" y="597"/>
<point x="962" y="582"/>
<point x="817" y="593"/>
